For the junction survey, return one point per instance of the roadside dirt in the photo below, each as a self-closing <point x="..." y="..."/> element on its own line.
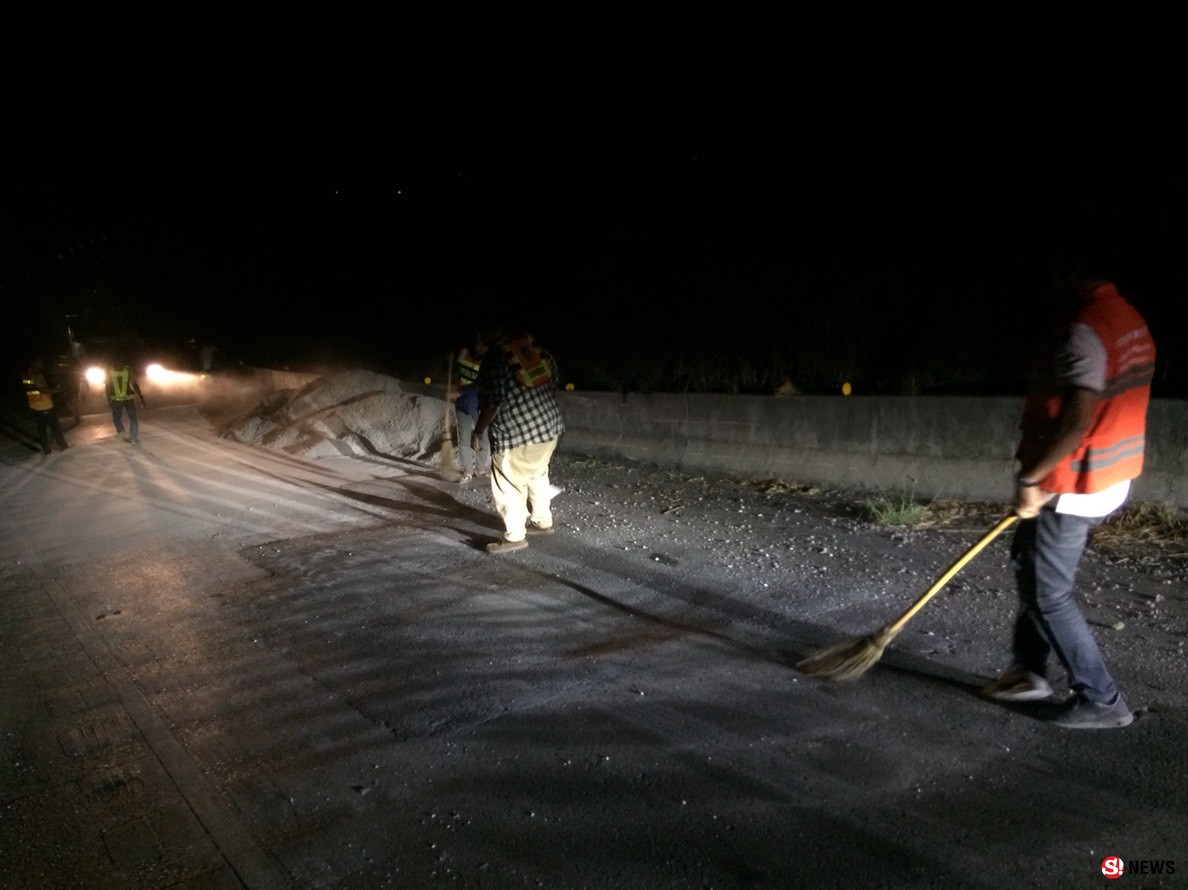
<point x="816" y="555"/>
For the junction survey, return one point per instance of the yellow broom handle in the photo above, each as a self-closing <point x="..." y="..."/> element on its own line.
<point x="449" y="386"/>
<point x="953" y="570"/>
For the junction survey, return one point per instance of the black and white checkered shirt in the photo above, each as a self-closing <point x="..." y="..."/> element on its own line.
<point x="523" y="415"/>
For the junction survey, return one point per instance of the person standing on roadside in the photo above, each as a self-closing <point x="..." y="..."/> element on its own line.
<point x="518" y="410"/>
<point x="39" y="392"/>
<point x="468" y="360"/>
<point x="122" y="392"/>
<point x="206" y="355"/>
<point x="1082" y="441"/>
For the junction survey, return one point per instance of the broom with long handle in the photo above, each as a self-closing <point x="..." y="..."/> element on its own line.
<point x="850" y="660"/>
<point x="447" y="458"/>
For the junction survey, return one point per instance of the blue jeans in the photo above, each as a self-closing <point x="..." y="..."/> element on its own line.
<point x="117" y="410"/>
<point x="1045" y="554"/>
<point x="471" y="461"/>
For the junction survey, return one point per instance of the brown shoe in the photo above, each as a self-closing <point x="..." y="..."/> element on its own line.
<point x="504" y="546"/>
<point x="1017" y="683"/>
<point x="539" y="529"/>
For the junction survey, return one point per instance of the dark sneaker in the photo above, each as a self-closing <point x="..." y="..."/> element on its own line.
<point x="506" y="546"/>
<point x="1018" y="684"/>
<point x="1080" y="713"/>
<point x="540" y="529"/>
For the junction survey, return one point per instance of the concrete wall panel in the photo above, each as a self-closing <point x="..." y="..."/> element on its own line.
<point x="947" y="447"/>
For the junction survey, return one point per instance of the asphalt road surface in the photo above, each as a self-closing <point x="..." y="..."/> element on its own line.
<point x="227" y="667"/>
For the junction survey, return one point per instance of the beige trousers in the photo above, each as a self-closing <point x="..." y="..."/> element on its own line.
<point x="521" y="489"/>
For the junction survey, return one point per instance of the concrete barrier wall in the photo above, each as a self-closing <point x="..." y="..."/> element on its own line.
<point x="930" y="447"/>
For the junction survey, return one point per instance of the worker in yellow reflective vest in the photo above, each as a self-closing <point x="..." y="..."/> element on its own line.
<point x="122" y="392"/>
<point x="39" y="392"/>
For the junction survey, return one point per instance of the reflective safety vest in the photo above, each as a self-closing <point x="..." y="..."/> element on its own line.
<point x="1112" y="448"/>
<point x="36" y="391"/>
<point x="120" y="378"/>
<point x="468" y="366"/>
<point x="528" y="364"/>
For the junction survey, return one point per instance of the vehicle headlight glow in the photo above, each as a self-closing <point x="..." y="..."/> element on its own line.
<point x="162" y="375"/>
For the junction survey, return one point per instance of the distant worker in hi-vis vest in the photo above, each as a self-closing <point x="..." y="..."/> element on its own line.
<point x="122" y="393"/>
<point x="38" y="390"/>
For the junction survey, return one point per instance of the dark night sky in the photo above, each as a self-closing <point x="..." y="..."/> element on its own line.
<point x="606" y="173"/>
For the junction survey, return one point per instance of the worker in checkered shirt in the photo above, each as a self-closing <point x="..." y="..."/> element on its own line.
<point x="524" y="424"/>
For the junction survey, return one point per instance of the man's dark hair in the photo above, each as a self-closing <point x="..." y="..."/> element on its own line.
<point x="1091" y="270"/>
<point x="1087" y="257"/>
<point x="492" y="333"/>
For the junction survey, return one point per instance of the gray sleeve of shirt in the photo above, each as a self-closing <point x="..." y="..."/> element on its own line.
<point x="1081" y="361"/>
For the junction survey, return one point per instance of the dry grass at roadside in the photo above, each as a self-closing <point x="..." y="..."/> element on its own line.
<point x="1158" y="527"/>
<point x="1147" y="533"/>
<point x="1157" y="531"/>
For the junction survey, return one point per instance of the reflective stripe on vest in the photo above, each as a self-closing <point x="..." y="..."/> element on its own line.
<point x="1113" y="446"/>
<point x="1101" y="459"/>
<point x="119" y="384"/>
<point x="38" y="400"/>
<point x="527" y="363"/>
<point x="468" y="367"/>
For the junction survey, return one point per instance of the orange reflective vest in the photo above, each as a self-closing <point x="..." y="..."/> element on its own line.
<point x="1111" y="450"/>
<point x="36" y="391"/>
<point x="528" y="364"/>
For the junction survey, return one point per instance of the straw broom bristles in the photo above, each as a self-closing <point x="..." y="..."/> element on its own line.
<point x="848" y="660"/>
<point x="852" y="659"/>
<point x="447" y="460"/>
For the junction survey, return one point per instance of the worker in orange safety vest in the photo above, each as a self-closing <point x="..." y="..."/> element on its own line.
<point x="1082" y="444"/>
